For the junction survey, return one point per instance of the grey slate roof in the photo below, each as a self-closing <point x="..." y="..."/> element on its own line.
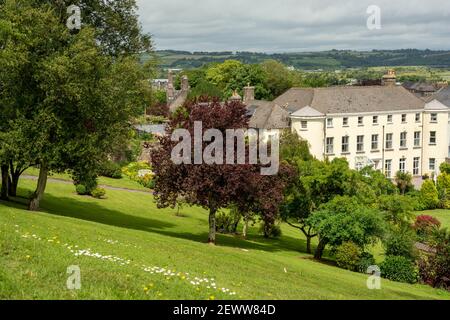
<point x="442" y="96"/>
<point x="342" y="100"/>
<point x="267" y="115"/>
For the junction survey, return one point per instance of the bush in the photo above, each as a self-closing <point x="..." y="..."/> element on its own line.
<point x="140" y="172"/>
<point x="348" y="256"/>
<point x="400" y="243"/>
<point x="81" y="190"/>
<point x="429" y="195"/>
<point x="366" y="260"/>
<point x="87" y="179"/>
<point x="111" y="170"/>
<point x="443" y="187"/>
<point x="399" y="269"/>
<point x="98" y="193"/>
<point x="270" y="230"/>
<point x="227" y="222"/>
<point x="425" y="226"/>
<point x="434" y="268"/>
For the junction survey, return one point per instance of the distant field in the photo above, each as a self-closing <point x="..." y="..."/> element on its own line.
<point x="327" y="60"/>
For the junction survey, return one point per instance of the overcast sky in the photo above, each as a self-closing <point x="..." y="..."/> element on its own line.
<point x="294" y="25"/>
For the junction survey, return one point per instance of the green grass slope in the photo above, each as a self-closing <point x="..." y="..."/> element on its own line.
<point x="126" y="248"/>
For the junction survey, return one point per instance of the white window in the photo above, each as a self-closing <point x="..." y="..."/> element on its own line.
<point x="374" y="142"/>
<point x="330" y="123"/>
<point x="432" y="164"/>
<point x="304" y="125"/>
<point x="361" y="121"/>
<point x="434" y="117"/>
<point x="345" y="122"/>
<point x="330" y="146"/>
<point x="389" y="140"/>
<point x="416" y="166"/>
<point x="403" y="140"/>
<point x="433" y="138"/>
<point x="402" y="166"/>
<point x="417" y="117"/>
<point x="345" y="144"/>
<point x="388" y="168"/>
<point x="403" y="118"/>
<point x="390" y="118"/>
<point x="360" y="144"/>
<point x="375" y="120"/>
<point x="417" y="136"/>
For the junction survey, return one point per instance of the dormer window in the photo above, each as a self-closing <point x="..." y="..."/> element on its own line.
<point x="304" y="125"/>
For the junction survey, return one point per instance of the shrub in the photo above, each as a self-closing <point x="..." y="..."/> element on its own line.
<point x="400" y="243"/>
<point x="443" y="187"/>
<point x="111" y="170"/>
<point x="434" y="268"/>
<point x="81" y="190"/>
<point x="348" y="256"/>
<point x="140" y="172"/>
<point x="227" y="222"/>
<point x="270" y="230"/>
<point x="425" y="226"/>
<point x="399" y="269"/>
<point x="87" y="179"/>
<point x="132" y="169"/>
<point x="98" y="193"/>
<point x="366" y="260"/>
<point x="429" y="195"/>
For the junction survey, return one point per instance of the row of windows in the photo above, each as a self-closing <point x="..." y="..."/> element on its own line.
<point x="388" y="166"/>
<point x="375" y="120"/>
<point x="375" y="142"/>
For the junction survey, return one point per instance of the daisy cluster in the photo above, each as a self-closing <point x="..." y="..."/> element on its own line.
<point x="198" y="282"/>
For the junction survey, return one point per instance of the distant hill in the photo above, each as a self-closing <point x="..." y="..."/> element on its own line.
<point x="327" y="60"/>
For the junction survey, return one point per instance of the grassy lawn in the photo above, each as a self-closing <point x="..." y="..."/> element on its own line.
<point x="125" y="182"/>
<point x="132" y="250"/>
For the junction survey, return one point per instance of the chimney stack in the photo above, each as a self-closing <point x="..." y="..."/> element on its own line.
<point x="390" y="79"/>
<point x="184" y="83"/>
<point x="249" y="93"/>
<point x="170" y="88"/>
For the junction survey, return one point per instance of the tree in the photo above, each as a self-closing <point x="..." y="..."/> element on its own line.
<point x="397" y="210"/>
<point x="404" y="181"/>
<point x="315" y="183"/>
<point x="212" y="186"/>
<point x="77" y="98"/>
<point x="344" y="219"/>
<point x="277" y="77"/>
<point x="429" y="195"/>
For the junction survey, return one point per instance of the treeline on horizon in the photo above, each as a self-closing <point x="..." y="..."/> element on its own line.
<point x="327" y="60"/>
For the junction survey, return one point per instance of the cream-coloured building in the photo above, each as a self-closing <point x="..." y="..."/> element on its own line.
<point x="386" y="126"/>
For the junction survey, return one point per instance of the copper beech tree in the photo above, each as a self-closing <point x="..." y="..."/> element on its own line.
<point x="215" y="186"/>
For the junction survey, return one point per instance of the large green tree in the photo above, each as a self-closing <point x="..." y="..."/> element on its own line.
<point x="76" y="92"/>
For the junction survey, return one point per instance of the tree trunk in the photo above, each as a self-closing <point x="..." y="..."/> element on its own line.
<point x="14" y="182"/>
<point x="40" y="189"/>
<point x="319" y="250"/>
<point x="244" y="231"/>
<point x="212" y="226"/>
<point x="5" y="182"/>
<point x="308" y="244"/>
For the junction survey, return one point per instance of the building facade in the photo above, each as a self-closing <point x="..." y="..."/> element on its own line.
<point x="386" y="127"/>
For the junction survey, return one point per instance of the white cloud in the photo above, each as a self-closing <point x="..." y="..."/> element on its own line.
<point x="294" y="25"/>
